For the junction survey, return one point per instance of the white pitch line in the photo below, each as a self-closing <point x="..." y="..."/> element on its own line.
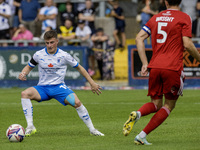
<point x="123" y="103"/>
<point x="43" y="103"/>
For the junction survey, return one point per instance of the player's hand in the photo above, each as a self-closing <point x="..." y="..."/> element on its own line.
<point x="144" y="70"/>
<point x="96" y="88"/>
<point x="22" y="76"/>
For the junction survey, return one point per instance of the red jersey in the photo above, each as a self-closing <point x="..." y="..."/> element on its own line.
<point x="167" y="29"/>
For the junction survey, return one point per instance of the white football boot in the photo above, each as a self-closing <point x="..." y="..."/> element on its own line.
<point x="95" y="132"/>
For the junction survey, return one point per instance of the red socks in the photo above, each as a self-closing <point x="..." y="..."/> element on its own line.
<point x="147" y="109"/>
<point x="157" y="119"/>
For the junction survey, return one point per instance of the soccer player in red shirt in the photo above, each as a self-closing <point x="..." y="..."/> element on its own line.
<point x="171" y="33"/>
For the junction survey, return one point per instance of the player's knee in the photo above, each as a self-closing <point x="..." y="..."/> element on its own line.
<point x="159" y="106"/>
<point x="71" y="99"/>
<point x="24" y="94"/>
<point x="169" y="107"/>
<point x="77" y="104"/>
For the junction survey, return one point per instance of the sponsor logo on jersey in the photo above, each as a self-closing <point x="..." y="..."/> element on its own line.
<point x="50" y="65"/>
<point x="167" y="13"/>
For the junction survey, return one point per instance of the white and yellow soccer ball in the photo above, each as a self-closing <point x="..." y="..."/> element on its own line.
<point x="15" y="133"/>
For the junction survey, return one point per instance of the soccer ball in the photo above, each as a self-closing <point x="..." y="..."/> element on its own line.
<point x="15" y="133"/>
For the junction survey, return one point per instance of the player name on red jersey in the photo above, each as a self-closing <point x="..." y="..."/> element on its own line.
<point x="168" y="19"/>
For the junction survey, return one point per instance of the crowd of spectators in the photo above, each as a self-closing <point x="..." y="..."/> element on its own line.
<point x="26" y="19"/>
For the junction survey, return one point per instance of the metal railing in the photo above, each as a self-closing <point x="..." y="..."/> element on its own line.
<point x="38" y="42"/>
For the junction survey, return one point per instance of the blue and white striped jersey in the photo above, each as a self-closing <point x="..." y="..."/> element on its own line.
<point x="52" y="67"/>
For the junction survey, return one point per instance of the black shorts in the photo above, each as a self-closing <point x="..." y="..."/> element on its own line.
<point x="120" y="29"/>
<point x="4" y="34"/>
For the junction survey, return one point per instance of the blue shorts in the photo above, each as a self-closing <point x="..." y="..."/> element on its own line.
<point x="59" y="92"/>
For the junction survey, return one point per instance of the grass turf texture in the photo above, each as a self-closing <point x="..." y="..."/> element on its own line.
<point x="60" y="128"/>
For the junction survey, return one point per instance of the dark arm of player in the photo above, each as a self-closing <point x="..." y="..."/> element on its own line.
<point x="142" y="35"/>
<point x="94" y="87"/>
<point x="189" y="46"/>
<point x="25" y="71"/>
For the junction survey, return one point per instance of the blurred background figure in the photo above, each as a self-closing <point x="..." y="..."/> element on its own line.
<point x="99" y="47"/>
<point x="120" y="25"/>
<point x="47" y="29"/>
<point x="28" y="14"/>
<point x="12" y="7"/>
<point x="5" y="13"/>
<point x="22" y="34"/>
<point x="83" y="32"/>
<point x="17" y="4"/>
<point x="67" y="32"/>
<point x="48" y="15"/>
<point x="69" y="13"/>
<point x="190" y="8"/>
<point x="88" y="15"/>
<point x="147" y="8"/>
<point x="162" y="6"/>
<point x="198" y="24"/>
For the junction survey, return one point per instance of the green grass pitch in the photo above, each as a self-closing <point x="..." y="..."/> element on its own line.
<point x="59" y="127"/>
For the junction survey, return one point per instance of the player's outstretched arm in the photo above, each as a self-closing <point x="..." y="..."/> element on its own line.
<point x="94" y="87"/>
<point x="25" y="71"/>
<point x="190" y="47"/>
<point x="142" y="35"/>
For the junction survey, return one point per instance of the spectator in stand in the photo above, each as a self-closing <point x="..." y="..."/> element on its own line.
<point x="12" y="7"/>
<point x="22" y="34"/>
<point x="99" y="47"/>
<point x="120" y="25"/>
<point x="83" y="32"/>
<point x="5" y="13"/>
<point x="198" y="24"/>
<point x="17" y="4"/>
<point x="67" y="32"/>
<point x="147" y="8"/>
<point x="79" y="6"/>
<point x="68" y="14"/>
<point x="88" y="15"/>
<point x="189" y="7"/>
<point x="28" y="14"/>
<point x="48" y="15"/>
<point x="198" y="7"/>
<point x="162" y="6"/>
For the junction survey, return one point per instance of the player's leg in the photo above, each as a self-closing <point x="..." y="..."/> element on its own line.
<point x="155" y="91"/>
<point x="172" y="87"/>
<point x="155" y="121"/>
<point x="146" y="109"/>
<point x="74" y="101"/>
<point x="26" y="97"/>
